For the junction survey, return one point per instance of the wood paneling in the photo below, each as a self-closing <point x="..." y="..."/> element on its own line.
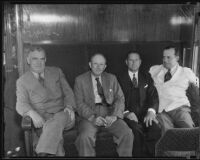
<point x="101" y="23"/>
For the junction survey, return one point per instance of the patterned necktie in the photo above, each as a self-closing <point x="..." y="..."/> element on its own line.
<point x="168" y="76"/>
<point x="100" y="89"/>
<point x="134" y="81"/>
<point x="41" y="79"/>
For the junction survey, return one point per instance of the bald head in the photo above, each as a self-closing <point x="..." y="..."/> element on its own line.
<point x="97" y="64"/>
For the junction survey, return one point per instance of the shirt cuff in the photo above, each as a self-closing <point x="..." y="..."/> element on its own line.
<point x="69" y="107"/>
<point x="125" y="112"/>
<point x="153" y="110"/>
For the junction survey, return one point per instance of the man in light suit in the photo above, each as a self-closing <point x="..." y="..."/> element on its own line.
<point x="172" y="81"/>
<point x="100" y="104"/>
<point x="44" y="94"/>
<point x="141" y="105"/>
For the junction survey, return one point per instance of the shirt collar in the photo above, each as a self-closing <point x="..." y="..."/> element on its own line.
<point x="36" y="75"/>
<point x="131" y="74"/>
<point x="94" y="77"/>
<point x="172" y="70"/>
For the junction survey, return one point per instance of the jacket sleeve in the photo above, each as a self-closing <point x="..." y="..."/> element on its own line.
<point x="118" y="103"/>
<point x="83" y="109"/>
<point x="23" y="103"/>
<point x="152" y="95"/>
<point x="69" y="99"/>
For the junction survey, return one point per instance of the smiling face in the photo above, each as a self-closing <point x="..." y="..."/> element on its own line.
<point x="97" y="64"/>
<point x="36" y="59"/>
<point x="133" y="62"/>
<point x="169" y="58"/>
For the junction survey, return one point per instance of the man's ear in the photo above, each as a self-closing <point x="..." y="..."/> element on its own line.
<point x="90" y="64"/>
<point x="28" y="60"/>
<point x="105" y="66"/>
<point x="177" y="58"/>
<point x="126" y="62"/>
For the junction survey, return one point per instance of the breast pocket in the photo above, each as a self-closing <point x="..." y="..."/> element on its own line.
<point x="110" y="96"/>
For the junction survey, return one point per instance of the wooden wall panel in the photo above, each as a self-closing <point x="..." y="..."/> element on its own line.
<point x="85" y="23"/>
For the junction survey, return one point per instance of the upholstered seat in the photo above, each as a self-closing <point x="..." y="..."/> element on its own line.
<point x="105" y="147"/>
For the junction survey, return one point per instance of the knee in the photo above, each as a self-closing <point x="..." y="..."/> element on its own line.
<point x="84" y="136"/>
<point x="127" y="132"/>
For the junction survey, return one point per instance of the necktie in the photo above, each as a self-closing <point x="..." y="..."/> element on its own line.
<point x="168" y="76"/>
<point x="100" y="89"/>
<point x="40" y="79"/>
<point x="134" y="81"/>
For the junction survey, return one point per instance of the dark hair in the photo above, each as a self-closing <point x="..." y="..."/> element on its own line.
<point x="173" y="47"/>
<point x="133" y="52"/>
<point x="32" y="48"/>
<point x="93" y="55"/>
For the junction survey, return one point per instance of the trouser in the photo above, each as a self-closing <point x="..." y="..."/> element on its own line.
<point x="145" y="138"/>
<point x="179" y="118"/>
<point x="122" y="136"/>
<point x="51" y="138"/>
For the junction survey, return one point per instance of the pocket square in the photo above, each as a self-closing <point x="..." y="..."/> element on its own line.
<point x="146" y="86"/>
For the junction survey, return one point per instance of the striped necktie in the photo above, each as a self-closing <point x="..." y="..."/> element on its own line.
<point x="134" y="81"/>
<point x="41" y="79"/>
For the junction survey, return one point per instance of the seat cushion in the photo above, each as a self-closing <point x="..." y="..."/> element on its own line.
<point x="105" y="146"/>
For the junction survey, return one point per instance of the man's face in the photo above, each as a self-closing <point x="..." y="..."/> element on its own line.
<point x="97" y="65"/>
<point x="133" y="62"/>
<point x="169" y="58"/>
<point x="36" y="60"/>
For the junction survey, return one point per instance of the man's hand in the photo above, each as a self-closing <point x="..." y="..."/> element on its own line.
<point x="38" y="121"/>
<point x="100" y="121"/>
<point x="110" y="120"/>
<point x="151" y="116"/>
<point x="132" y="116"/>
<point x="71" y="113"/>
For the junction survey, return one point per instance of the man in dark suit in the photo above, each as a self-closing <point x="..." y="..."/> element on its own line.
<point x="44" y="94"/>
<point x="141" y="105"/>
<point x="100" y="104"/>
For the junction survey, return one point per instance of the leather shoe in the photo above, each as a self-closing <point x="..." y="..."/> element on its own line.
<point x="45" y="155"/>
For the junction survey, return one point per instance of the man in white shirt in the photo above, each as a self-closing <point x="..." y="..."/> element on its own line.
<point x="172" y="81"/>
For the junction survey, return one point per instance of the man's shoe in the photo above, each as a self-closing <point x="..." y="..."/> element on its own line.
<point x="42" y="154"/>
<point x="45" y="155"/>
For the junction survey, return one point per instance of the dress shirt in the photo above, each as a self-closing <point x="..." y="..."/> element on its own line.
<point x="131" y="75"/>
<point x="36" y="75"/>
<point x="172" y="70"/>
<point x="172" y="93"/>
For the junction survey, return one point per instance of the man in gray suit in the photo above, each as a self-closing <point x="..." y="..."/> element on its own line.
<point x="44" y="94"/>
<point x="100" y="104"/>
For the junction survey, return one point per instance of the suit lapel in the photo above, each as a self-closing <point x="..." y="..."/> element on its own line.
<point x="141" y="85"/>
<point x="105" y="84"/>
<point x="89" y="87"/>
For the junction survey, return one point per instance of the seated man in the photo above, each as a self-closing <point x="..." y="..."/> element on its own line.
<point x="100" y="104"/>
<point x="141" y="105"/>
<point x="44" y="94"/>
<point x="172" y="81"/>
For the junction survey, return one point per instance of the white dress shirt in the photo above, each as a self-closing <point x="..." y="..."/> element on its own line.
<point x="131" y="75"/>
<point x="172" y="94"/>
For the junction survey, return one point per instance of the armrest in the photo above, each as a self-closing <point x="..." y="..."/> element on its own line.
<point x="178" y="139"/>
<point x="26" y="123"/>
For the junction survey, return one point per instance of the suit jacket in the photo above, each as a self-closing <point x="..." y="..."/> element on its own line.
<point x="147" y="92"/>
<point x="52" y="98"/>
<point x="84" y="94"/>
